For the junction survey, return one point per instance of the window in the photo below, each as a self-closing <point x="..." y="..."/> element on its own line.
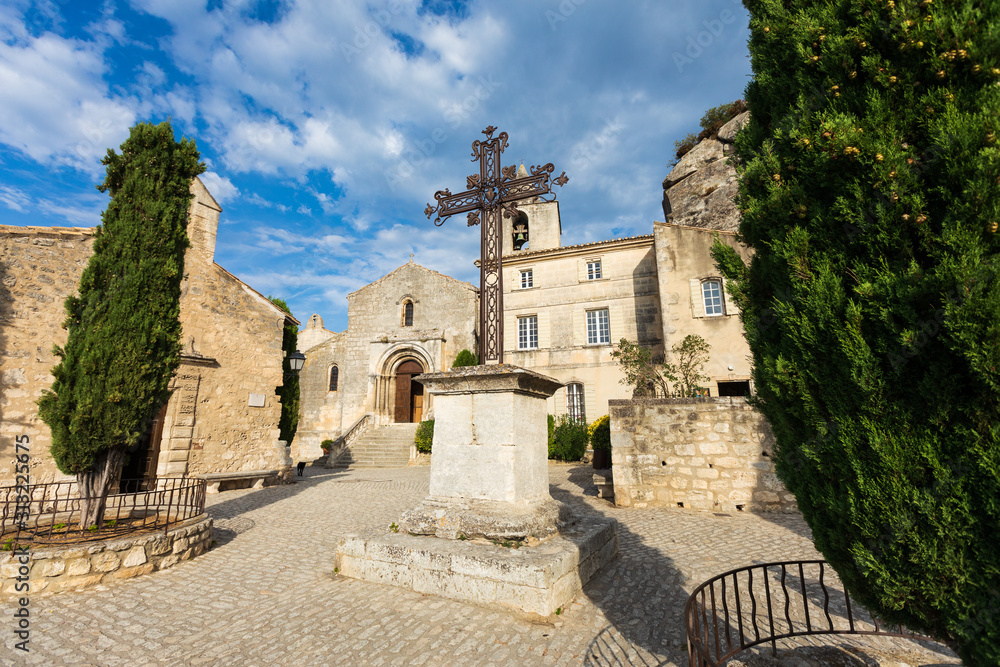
<point x="594" y="270"/>
<point x="711" y="294"/>
<point x="598" y="329"/>
<point x="527" y="333"/>
<point x="408" y="314"/>
<point x="527" y="279"/>
<point x="334" y="377"/>
<point x="574" y="402"/>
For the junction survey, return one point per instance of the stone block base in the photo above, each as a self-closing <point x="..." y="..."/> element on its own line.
<point x="535" y="580"/>
<point x="454" y="518"/>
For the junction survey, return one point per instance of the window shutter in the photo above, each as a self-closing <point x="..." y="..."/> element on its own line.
<point x="731" y="308"/>
<point x="697" y="300"/>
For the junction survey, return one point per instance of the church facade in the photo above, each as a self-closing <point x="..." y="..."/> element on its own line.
<point x="411" y="321"/>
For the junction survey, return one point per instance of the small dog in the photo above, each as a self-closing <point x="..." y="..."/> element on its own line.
<point x="300" y="467"/>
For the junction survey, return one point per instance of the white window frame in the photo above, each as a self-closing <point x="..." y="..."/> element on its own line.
<point x="527" y="332"/>
<point x="575" y="404"/>
<point x="528" y="274"/>
<point x="714" y="304"/>
<point x="598" y="328"/>
<point x="594" y="269"/>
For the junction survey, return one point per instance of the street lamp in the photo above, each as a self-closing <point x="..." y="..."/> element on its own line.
<point x="296" y="360"/>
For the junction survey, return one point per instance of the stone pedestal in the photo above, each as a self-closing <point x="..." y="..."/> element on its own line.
<point x="489" y="491"/>
<point x="489" y="467"/>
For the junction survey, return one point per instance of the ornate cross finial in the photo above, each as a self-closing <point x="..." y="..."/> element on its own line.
<point x="411" y="258"/>
<point x="493" y="190"/>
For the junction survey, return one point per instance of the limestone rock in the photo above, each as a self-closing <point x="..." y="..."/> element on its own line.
<point x="705" y="153"/>
<point x="135" y="557"/>
<point x="705" y="198"/>
<point x="727" y="133"/>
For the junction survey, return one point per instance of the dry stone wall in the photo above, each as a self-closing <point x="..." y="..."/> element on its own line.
<point x="56" y="569"/>
<point x="702" y="453"/>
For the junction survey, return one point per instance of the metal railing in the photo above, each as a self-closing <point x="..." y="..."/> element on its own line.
<point x="763" y="603"/>
<point x="49" y="514"/>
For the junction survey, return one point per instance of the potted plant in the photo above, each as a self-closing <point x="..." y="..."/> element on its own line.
<point x="600" y="442"/>
<point x="327" y="446"/>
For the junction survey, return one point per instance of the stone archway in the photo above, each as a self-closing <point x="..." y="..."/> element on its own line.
<point x="409" y="395"/>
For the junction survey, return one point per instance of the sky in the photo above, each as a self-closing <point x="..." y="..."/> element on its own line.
<point x="326" y="126"/>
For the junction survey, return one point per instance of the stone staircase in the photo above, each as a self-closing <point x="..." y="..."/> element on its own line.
<point x="381" y="447"/>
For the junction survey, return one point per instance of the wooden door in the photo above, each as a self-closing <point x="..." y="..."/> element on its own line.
<point x="404" y="408"/>
<point x="417" y="391"/>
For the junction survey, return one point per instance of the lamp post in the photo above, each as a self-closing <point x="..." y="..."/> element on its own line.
<point x="296" y="360"/>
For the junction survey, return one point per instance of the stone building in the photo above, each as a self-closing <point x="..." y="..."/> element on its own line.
<point x="565" y="307"/>
<point x="223" y="413"/>
<point x="408" y="322"/>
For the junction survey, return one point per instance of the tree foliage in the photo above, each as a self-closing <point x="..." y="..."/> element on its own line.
<point x="124" y="333"/>
<point x="288" y="392"/>
<point x="677" y="378"/>
<point x="870" y="195"/>
<point x="710" y="123"/>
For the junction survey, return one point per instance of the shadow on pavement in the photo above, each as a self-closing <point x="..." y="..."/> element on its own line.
<point x="641" y="593"/>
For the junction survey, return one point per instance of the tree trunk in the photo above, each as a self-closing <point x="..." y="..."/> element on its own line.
<point x="95" y="485"/>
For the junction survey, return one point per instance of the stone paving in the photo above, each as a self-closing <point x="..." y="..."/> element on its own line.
<point x="267" y="594"/>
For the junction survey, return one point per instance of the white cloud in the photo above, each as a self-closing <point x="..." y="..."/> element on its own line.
<point x="222" y="188"/>
<point x="14" y="198"/>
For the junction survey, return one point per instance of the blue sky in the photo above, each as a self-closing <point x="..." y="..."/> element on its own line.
<point x="328" y="125"/>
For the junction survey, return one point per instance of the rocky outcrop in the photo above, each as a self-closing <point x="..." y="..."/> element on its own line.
<point x="700" y="189"/>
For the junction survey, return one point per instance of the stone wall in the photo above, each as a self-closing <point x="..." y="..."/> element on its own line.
<point x="56" y="569"/>
<point x="701" y="453"/>
<point x="376" y="342"/>
<point x="232" y="349"/>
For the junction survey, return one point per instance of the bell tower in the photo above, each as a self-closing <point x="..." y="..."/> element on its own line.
<point x="535" y="227"/>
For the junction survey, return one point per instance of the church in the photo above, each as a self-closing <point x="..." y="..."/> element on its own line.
<point x="564" y="309"/>
<point x="222" y="415"/>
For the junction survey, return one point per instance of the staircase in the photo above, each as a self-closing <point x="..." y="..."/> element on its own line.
<point x="381" y="447"/>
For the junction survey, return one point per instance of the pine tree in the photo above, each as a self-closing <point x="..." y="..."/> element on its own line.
<point x="124" y="333"/>
<point x="288" y="392"/>
<point x="870" y="189"/>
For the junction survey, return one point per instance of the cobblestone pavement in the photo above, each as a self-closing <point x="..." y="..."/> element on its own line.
<point x="267" y="594"/>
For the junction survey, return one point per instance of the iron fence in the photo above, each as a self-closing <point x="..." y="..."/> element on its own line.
<point x="49" y="514"/>
<point x="763" y="603"/>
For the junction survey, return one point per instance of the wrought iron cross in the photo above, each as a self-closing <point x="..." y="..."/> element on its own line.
<point x="493" y="190"/>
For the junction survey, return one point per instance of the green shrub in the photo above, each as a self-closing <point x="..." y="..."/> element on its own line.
<point x="465" y="358"/>
<point x="569" y="440"/>
<point x="600" y="434"/>
<point x="425" y="436"/>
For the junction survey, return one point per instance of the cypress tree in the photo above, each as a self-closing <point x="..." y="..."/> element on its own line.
<point x="124" y="332"/>
<point x="288" y="392"/>
<point x="870" y="190"/>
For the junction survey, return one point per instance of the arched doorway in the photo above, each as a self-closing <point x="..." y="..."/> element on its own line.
<point x="409" y="404"/>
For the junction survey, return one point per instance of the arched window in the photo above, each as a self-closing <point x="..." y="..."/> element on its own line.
<point x="711" y="294"/>
<point x="334" y="377"/>
<point x="574" y="402"/>
<point x="408" y="314"/>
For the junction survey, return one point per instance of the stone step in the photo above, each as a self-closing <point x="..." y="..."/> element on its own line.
<point x="382" y="447"/>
